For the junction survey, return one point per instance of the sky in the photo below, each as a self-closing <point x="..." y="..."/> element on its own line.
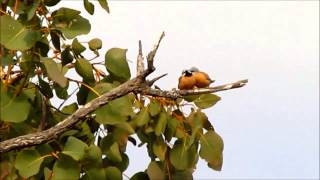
<point x="270" y="127"/>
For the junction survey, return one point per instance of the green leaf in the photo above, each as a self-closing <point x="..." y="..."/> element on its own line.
<point x="117" y="65"/>
<point x="75" y="148"/>
<point x="154" y="108"/>
<point x="182" y="157"/>
<point x="111" y="149"/>
<point x="95" y="174"/>
<point x="161" y="123"/>
<point x="88" y="6"/>
<point x="171" y="128"/>
<point x="66" y="168"/>
<point x="61" y="92"/>
<point x="28" y="162"/>
<point x="69" y="109"/>
<point x="101" y="88"/>
<point x="93" y="156"/>
<point x="160" y="148"/>
<point x="32" y="10"/>
<point x="55" y="39"/>
<point x="104" y="5"/>
<point x="77" y="47"/>
<point x="66" y="56"/>
<point x="95" y="44"/>
<point x="211" y="150"/>
<point x="84" y="69"/>
<point x="206" y="100"/>
<point x="185" y="175"/>
<point x="15" y="36"/>
<point x="10" y="104"/>
<point x="53" y="72"/>
<point x="51" y="2"/>
<point x="142" y="118"/>
<point x="115" y="112"/>
<point x="140" y="176"/>
<point x="155" y="172"/>
<point x="45" y="88"/>
<point x="113" y="173"/>
<point x="70" y="23"/>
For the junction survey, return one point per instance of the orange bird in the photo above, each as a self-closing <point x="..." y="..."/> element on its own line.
<point x="193" y="78"/>
<point x="186" y="80"/>
<point x="202" y="79"/>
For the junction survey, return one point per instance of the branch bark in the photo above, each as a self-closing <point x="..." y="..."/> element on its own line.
<point x="138" y="85"/>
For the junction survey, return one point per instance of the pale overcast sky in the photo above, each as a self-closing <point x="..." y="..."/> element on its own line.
<point x="270" y="127"/>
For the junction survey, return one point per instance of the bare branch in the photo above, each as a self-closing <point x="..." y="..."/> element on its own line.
<point x="151" y="55"/>
<point x="140" y="63"/>
<point x="174" y="94"/>
<point x="150" y="83"/>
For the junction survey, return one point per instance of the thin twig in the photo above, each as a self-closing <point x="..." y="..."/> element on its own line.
<point x="151" y="55"/>
<point x="152" y="81"/>
<point x="140" y="63"/>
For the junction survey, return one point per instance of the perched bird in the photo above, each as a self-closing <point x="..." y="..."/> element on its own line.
<point x="186" y="80"/>
<point x="202" y="79"/>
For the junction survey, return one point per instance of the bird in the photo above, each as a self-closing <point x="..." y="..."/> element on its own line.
<point x="202" y="79"/>
<point x="193" y="78"/>
<point x="186" y="80"/>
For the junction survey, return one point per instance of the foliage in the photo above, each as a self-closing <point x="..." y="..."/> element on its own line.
<point x="38" y="48"/>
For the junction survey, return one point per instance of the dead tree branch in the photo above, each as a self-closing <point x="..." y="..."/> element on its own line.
<point x="137" y="85"/>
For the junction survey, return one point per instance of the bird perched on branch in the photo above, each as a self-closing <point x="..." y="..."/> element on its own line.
<point x="193" y="78"/>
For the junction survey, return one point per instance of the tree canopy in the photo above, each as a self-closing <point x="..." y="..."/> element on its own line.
<point x="87" y="139"/>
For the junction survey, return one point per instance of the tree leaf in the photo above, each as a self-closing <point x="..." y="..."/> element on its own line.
<point x="77" y="47"/>
<point x="211" y="150"/>
<point x="140" y="176"/>
<point x="88" y="6"/>
<point x="206" y="100"/>
<point x="104" y="5"/>
<point x="66" y="56"/>
<point x="10" y="104"/>
<point x="53" y="72"/>
<point x="95" y="44"/>
<point x="95" y="173"/>
<point x="75" y="148"/>
<point x="93" y="156"/>
<point x="142" y="118"/>
<point x="15" y="36"/>
<point x="160" y="148"/>
<point x="155" y="172"/>
<point x="66" y="168"/>
<point x="161" y="123"/>
<point x="182" y="157"/>
<point x="111" y="148"/>
<point x="28" y="162"/>
<point x="51" y="2"/>
<point x="185" y="175"/>
<point x="154" y="108"/>
<point x="116" y="111"/>
<point x="84" y="69"/>
<point x="113" y="173"/>
<point x="117" y="65"/>
<point x="55" y="39"/>
<point x="45" y="88"/>
<point x="70" y="23"/>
